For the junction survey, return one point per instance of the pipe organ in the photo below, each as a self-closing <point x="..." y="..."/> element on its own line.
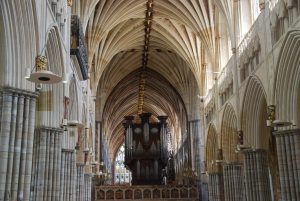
<point x="146" y="149"/>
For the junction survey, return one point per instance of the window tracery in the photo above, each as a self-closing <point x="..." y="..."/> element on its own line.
<point x="122" y="175"/>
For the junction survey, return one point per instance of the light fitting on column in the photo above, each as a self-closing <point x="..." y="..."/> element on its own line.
<point x="28" y="72"/>
<point x="75" y="124"/>
<point x="242" y="147"/>
<point x="65" y="79"/>
<point x="95" y="163"/>
<point x="41" y="74"/>
<point x="220" y="161"/>
<point x="38" y="87"/>
<point x="280" y="123"/>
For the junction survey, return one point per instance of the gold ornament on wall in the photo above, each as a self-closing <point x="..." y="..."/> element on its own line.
<point x="271" y="112"/>
<point x="70" y="2"/>
<point x="240" y="137"/>
<point x="41" y="63"/>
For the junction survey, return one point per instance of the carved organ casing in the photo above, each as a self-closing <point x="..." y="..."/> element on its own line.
<point x="146" y="152"/>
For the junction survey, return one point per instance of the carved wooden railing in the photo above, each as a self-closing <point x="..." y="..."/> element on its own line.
<point x="145" y="192"/>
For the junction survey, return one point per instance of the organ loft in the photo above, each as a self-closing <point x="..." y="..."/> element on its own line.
<point x="146" y="149"/>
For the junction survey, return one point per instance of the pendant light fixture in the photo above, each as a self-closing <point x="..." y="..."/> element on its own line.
<point x="41" y="74"/>
<point x="75" y="124"/>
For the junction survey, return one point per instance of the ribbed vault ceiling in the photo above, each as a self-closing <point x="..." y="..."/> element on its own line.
<point x="182" y="27"/>
<point x="161" y="98"/>
<point x="182" y="39"/>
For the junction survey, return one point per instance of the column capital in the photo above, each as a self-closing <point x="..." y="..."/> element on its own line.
<point x="254" y="151"/>
<point x="11" y="90"/>
<point x="45" y="128"/>
<point x="287" y="132"/>
<point x="68" y="150"/>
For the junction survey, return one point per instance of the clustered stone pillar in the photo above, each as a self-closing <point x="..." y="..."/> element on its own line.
<point x="256" y="175"/>
<point x="46" y="169"/>
<point x="80" y="182"/>
<point x="68" y="175"/>
<point x="17" y="117"/>
<point x="233" y="181"/>
<point x="87" y="186"/>
<point x="216" y="187"/>
<point x="195" y="128"/>
<point x="288" y="152"/>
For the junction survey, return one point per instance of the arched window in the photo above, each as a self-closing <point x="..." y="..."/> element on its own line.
<point x="122" y="175"/>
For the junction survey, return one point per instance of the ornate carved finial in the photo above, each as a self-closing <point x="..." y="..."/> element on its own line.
<point x="70" y="2"/>
<point x="271" y="112"/>
<point x="41" y="63"/>
<point x="240" y="137"/>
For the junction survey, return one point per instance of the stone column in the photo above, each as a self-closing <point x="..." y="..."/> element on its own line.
<point x="80" y="182"/>
<point x="215" y="187"/>
<point x="195" y="131"/>
<point x="98" y="137"/>
<point x="195" y="128"/>
<point x="29" y="149"/>
<point x="16" y="151"/>
<point x="233" y="181"/>
<point x="288" y="152"/>
<point x="17" y="117"/>
<point x="257" y="175"/>
<point x="87" y="186"/>
<point x="46" y="166"/>
<point x="68" y="175"/>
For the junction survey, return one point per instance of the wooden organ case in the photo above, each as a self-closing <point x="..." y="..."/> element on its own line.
<point x="146" y="149"/>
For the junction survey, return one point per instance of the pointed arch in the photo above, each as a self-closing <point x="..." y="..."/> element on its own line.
<point x="54" y="51"/>
<point x="75" y="102"/>
<point x="287" y="79"/>
<point x="54" y="93"/>
<point x="211" y="148"/>
<point x="18" y="40"/>
<point x="254" y="115"/>
<point x="229" y="136"/>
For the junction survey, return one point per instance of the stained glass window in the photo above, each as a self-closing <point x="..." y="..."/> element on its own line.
<point x="122" y="175"/>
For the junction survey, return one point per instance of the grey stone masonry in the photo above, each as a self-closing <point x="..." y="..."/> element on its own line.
<point x="216" y="187"/>
<point x="87" y="186"/>
<point x="233" y="181"/>
<point x="257" y="175"/>
<point x="80" y="182"/>
<point x="288" y="153"/>
<point x="17" y="117"/>
<point x="68" y="175"/>
<point x="46" y="183"/>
